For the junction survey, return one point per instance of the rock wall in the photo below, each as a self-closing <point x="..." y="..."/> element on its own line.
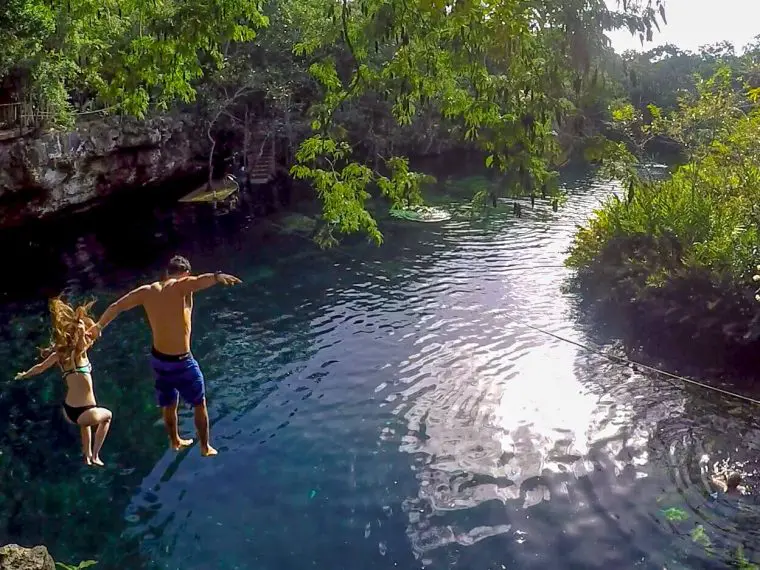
<point x="15" y="557"/>
<point x="46" y="173"/>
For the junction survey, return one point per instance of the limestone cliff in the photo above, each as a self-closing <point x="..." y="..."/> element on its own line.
<point x="48" y="172"/>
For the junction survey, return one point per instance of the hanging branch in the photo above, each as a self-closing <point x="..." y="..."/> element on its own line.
<point x="223" y="110"/>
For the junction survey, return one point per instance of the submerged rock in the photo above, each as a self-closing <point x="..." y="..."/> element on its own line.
<point x="294" y="222"/>
<point x="15" y="557"/>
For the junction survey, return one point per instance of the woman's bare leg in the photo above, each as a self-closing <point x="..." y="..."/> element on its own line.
<point x="100" y="418"/>
<point x="84" y="431"/>
<point x="100" y="436"/>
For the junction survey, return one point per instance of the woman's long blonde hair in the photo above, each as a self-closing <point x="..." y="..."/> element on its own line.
<point x="69" y="338"/>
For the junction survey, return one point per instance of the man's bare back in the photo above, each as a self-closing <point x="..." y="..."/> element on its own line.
<point x="169" y="308"/>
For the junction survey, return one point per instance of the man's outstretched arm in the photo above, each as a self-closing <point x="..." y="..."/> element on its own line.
<point x="194" y="283"/>
<point x="133" y="299"/>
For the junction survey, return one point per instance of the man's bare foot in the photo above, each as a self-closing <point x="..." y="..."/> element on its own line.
<point x="180" y="443"/>
<point x="209" y="452"/>
<point x="98" y="461"/>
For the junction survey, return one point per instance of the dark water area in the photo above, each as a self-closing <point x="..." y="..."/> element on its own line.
<point x="374" y="407"/>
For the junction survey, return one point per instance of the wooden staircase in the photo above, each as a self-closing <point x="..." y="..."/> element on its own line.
<point x="261" y="160"/>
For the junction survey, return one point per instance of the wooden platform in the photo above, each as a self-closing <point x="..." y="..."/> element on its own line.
<point x="220" y="191"/>
<point x="8" y="134"/>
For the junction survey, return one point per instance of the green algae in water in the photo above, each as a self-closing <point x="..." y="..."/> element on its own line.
<point x="699" y="536"/>
<point x="741" y="561"/>
<point x="297" y="223"/>
<point x="674" y="514"/>
<point x="261" y="274"/>
<point x="421" y="214"/>
<point x="467" y="186"/>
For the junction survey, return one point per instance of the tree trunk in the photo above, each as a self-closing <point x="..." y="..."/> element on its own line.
<point x="246" y="140"/>
<point x="210" y="156"/>
<point x="288" y="131"/>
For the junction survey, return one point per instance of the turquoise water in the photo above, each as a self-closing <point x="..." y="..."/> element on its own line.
<point x="374" y="407"/>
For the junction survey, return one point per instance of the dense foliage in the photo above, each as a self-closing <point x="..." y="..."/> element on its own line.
<point x="705" y="218"/>
<point x="503" y="74"/>
<point x="126" y="53"/>
<point x="662" y="75"/>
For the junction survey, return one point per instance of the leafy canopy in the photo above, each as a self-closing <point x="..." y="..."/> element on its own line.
<point x="708" y="207"/>
<point x="502" y="70"/>
<point x="129" y="53"/>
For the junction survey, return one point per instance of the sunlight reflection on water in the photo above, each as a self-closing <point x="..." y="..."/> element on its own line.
<point x="524" y="451"/>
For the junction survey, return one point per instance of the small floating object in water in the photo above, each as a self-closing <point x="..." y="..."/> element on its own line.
<point x="420" y="214"/>
<point x="313" y="493"/>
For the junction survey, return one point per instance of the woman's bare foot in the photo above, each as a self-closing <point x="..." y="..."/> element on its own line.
<point x="180" y="443"/>
<point x="209" y="452"/>
<point x="97" y="461"/>
<point x="87" y="460"/>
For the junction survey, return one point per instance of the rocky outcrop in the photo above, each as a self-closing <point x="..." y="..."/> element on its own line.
<point x="15" y="557"/>
<point x="46" y="173"/>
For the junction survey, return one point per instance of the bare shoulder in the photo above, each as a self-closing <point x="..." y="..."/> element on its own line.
<point x="144" y="292"/>
<point x="169" y="287"/>
<point x="154" y="287"/>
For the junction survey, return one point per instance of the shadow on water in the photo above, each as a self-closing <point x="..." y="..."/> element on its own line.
<point x="380" y="407"/>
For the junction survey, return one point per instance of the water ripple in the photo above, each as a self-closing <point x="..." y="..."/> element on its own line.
<point x="389" y="403"/>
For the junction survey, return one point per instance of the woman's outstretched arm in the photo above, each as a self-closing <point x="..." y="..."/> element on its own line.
<point x="39" y="368"/>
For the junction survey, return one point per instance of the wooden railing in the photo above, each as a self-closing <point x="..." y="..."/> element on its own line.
<point x="22" y="115"/>
<point x="29" y="115"/>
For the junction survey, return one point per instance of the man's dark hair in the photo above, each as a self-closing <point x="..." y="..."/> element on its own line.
<point x="734" y="480"/>
<point x="178" y="265"/>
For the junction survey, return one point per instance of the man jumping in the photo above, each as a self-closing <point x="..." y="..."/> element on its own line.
<point x="168" y="304"/>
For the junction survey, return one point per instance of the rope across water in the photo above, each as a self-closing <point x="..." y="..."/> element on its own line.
<point x="628" y="361"/>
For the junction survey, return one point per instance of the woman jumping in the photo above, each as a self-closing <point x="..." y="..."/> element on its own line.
<point x="71" y="338"/>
